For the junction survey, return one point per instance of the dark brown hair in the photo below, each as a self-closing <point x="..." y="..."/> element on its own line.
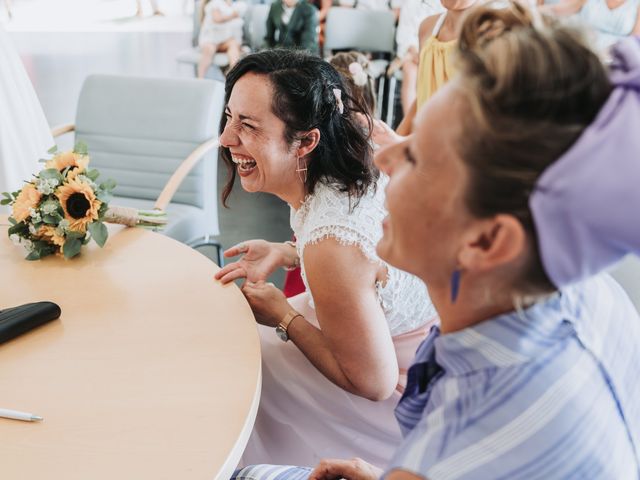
<point x="304" y="99"/>
<point x="531" y="86"/>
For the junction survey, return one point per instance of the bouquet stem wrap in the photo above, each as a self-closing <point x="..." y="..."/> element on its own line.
<point x="132" y="217"/>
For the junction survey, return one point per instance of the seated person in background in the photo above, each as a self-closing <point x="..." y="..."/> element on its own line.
<point x="611" y="19"/>
<point x="438" y="38"/>
<point x="353" y="67"/>
<point x="154" y="7"/>
<point x="293" y="24"/>
<point x="516" y="190"/>
<point x="292" y="129"/>
<point x="221" y="31"/>
<point x="412" y="13"/>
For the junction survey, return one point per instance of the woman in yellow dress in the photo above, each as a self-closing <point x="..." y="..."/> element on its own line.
<point x="438" y="38"/>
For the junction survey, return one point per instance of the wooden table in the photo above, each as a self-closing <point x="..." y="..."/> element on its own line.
<point x="151" y="372"/>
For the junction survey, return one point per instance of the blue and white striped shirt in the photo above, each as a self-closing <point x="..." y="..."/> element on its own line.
<point x="551" y="392"/>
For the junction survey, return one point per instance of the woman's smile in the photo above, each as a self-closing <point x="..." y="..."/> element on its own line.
<point x="245" y="165"/>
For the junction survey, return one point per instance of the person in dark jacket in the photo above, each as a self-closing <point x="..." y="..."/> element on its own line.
<point x="293" y="24"/>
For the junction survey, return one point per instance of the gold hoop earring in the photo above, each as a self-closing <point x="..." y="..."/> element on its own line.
<point x="302" y="172"/>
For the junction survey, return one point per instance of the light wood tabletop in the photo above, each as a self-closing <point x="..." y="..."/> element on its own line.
<point x="151" y="372"/>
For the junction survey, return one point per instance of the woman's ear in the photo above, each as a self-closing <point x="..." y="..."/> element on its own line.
<point x="308" y="142"/>
<point x="493" y="243"/>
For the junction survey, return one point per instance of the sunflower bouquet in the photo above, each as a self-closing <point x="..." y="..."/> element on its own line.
<point x="65" y="206"/>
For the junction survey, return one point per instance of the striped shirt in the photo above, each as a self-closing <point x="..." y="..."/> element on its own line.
<point x="551" y="392"/>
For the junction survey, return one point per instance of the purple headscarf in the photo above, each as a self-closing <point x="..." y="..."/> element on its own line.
<point x="586" y="205"/>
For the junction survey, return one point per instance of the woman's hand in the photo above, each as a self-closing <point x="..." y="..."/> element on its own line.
<point x="383" y="135"/>
<point x="259" y="260"/>
<point x="354" y="469"/>
<point x="269" y="304"/>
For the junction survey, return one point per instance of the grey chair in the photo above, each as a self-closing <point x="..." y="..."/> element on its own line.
<point x="366" y="31"/>
<point x="156" y="137"/>
<point x="255" y="24"/>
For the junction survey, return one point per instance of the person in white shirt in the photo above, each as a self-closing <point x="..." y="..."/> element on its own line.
<point x="221" y="32"/>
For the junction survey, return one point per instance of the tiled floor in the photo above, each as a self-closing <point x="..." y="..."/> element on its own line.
<point x="58" y="63"/>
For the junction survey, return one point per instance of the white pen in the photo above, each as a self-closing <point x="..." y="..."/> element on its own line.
<point x="16" y="415"/>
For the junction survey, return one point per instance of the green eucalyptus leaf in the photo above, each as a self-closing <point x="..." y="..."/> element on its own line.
<point x="104" y="196"/>
<point x="92" y="174"/>
<point x="109" y="184"/>
<point x="12" y="221"/>
<point x="33" y="255"/>
<point x="53" y="149"/>
<point x="21" y="229"/>
<point x="6" y="201"/>
<point x="51" y="219"/>
<point x="76" y="235"/>
<point x="81" y="148"/>
<point x="71" y="247"/>
<point x="99" y="232"/>
<point x="51" y="173"/>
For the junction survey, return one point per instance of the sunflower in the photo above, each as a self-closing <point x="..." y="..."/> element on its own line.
<point x="61" y="161"/>
<point x="48" y="233"/>
<point x="79" y="203"/>
<point x="27" y="199"/>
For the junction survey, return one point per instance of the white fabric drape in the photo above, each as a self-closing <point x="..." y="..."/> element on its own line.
<point x="24" y="132"/>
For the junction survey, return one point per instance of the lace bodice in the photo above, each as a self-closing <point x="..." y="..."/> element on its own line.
<point x="328" y="213"/>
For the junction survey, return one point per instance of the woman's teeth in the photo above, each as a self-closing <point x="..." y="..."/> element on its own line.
<point x="244" y="164"/>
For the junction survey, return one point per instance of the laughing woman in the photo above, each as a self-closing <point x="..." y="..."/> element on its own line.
<point x="290" y="129"/>
<point x="516" y="190"/>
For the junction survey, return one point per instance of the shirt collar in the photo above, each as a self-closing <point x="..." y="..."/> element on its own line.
<point x="509" y="339"/>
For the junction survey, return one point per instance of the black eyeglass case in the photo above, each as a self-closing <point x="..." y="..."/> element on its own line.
<point x="18" y="320"/>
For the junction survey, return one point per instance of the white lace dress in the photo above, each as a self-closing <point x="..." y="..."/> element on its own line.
<point x="303" y="417"/>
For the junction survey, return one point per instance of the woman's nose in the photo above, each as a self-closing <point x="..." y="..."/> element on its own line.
<point x="385" y="158"/>
<point x="228" y="138"/>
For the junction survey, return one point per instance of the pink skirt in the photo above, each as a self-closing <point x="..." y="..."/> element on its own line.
<point x="303" y="417"/>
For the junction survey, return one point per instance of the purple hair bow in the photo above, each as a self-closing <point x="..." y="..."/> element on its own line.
<point x="586" y="205"/>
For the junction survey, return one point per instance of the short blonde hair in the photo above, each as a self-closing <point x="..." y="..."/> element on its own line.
<point x="531" y="86"/>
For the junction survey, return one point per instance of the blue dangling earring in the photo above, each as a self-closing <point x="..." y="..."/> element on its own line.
<point x="455" y="284"/>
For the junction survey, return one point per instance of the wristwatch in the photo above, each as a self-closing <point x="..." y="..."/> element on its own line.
<point x="283" y="326"/>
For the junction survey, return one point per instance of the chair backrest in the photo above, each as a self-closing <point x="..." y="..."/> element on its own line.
<point x="364" y="30"/>
<point x="138" y="130"/>
<point x="255" y="25"/>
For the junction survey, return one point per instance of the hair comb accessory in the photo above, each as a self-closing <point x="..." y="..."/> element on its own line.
<point x="358" y="74"/>
<point x="585" y="205"/>
<point x="338" y="94"/>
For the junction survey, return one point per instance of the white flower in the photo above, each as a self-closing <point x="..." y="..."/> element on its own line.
<point x="358" y="74"/>
<point x="32" y="229"/>
<point x="35" y="215"/>
<point x="14" y="238"/>
<point x="28" y="245"/>
<point x="87" y="180"/>
<point x="46" y="186"/>
<point x="62" y="227"/>
<point x="49" y="207"/>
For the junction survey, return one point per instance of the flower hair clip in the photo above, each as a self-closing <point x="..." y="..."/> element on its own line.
<point x="338" y="94"/>
<point x="358" y="74"/>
